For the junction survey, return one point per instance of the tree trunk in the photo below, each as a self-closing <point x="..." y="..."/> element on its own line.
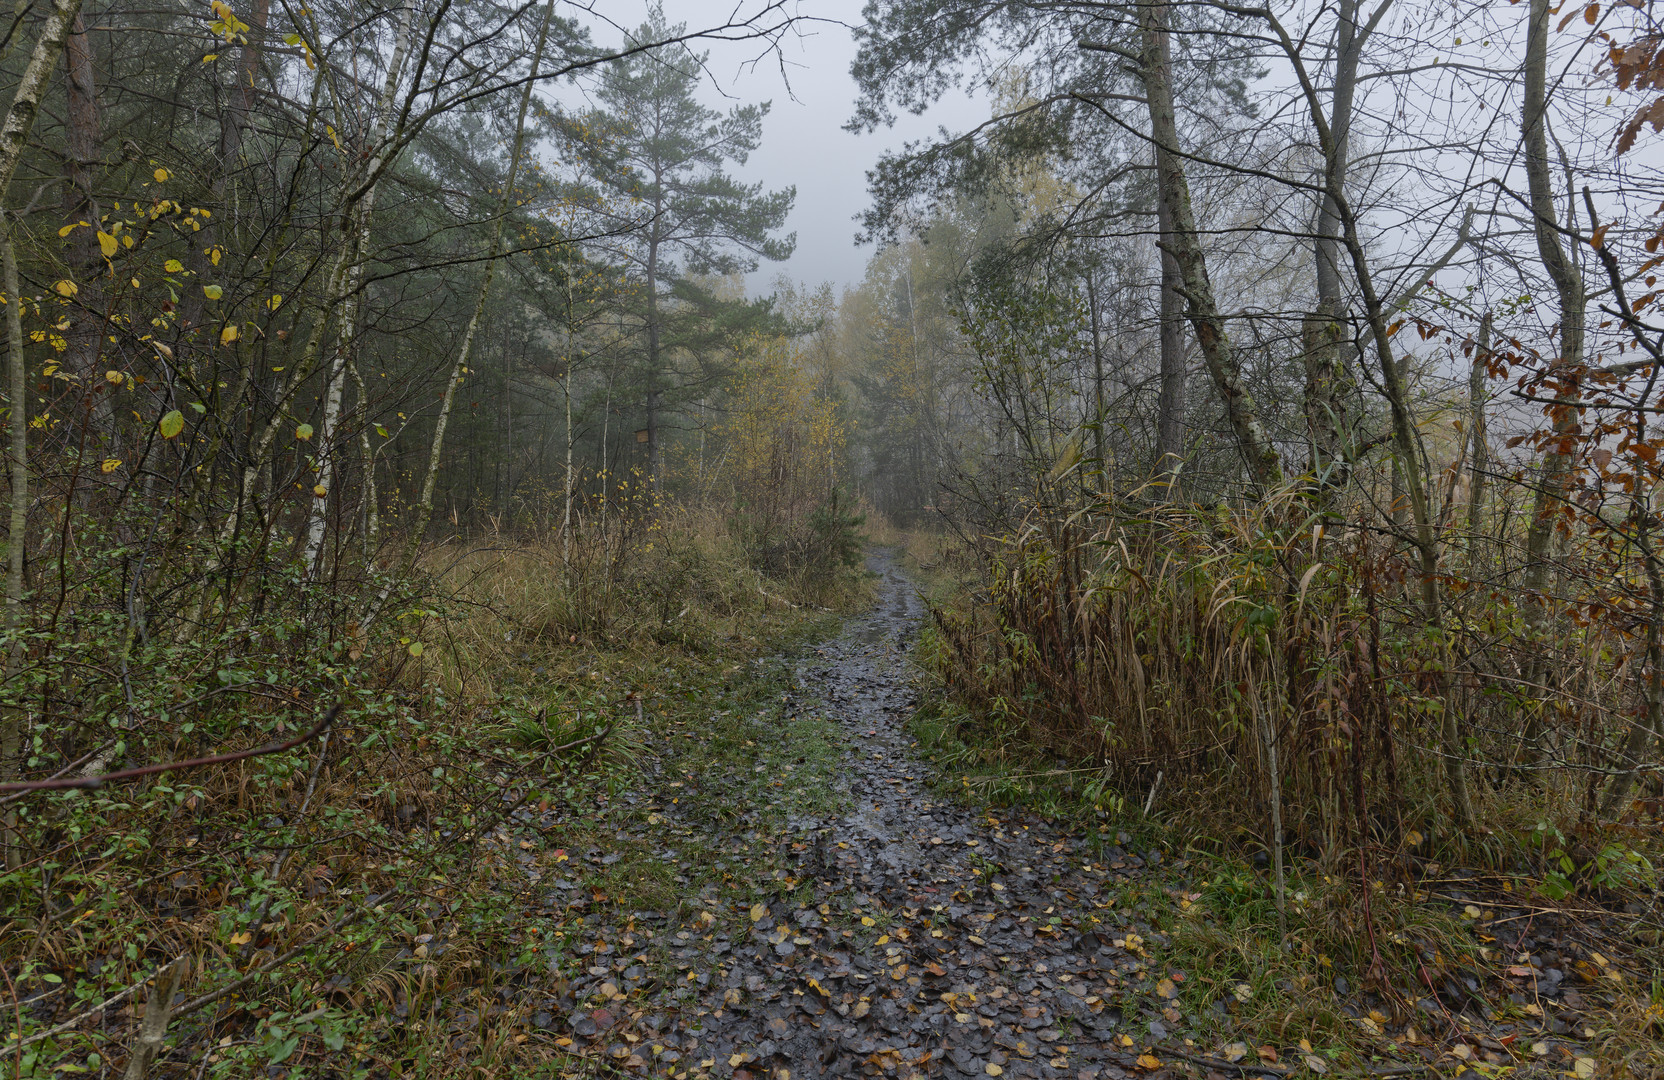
<point x="25" y="106"/>
<point x="17" y="453"/>
<point x="424" y="507"/>
<point x="358" y="241"/>
<point x="1397" y="507"/>
<point x="1328" y="424"/>
<point x="1395" y="383"/>
<point x="82" y="153"/>
<point x="1175" y="361"/>
<point x="233" y="119"/>
<point x="1408" y="463"/>
<point x="606" y="435"/>
<point x="1258" y="451"/>
<point x="1097" y="380"/>
<point x="371" y="500"/>
<point x="1647" y="727"/>
<point x="1568" y="284"/>
<point x="566" y="508"/>
<point x="1478" y="390"/>
<point x="566" y="394"/>
<point x="653" y="340"/>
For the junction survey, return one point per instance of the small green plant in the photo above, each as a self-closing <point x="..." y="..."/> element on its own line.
<point x="1104" y="798"/>
<point x="835" y="539"/>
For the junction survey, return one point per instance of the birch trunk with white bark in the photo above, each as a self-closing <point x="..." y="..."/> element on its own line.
<point x="423" y="514"/>
<point x="347" y="327"/>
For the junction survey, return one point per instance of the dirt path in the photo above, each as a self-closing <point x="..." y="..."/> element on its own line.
<point x="903" y="935"/>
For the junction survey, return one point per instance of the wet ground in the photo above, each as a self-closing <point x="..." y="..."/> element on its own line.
<point x="903" y="934"/>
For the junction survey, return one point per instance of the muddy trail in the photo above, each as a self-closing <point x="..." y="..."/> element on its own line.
<point x="894" y="932"/>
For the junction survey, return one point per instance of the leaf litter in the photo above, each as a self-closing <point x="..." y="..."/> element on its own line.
<point x="823" y="912"/>
<point x="785" y="895"/>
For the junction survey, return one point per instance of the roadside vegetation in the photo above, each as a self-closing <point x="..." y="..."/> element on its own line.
<point x="417" y="518"/>
<point x="380" y="894"/>
<point x="1297" y="497"/>
<point x="1359" y="919"/>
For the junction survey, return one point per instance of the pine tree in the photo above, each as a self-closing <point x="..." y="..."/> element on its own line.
<point x="656" y="155"/>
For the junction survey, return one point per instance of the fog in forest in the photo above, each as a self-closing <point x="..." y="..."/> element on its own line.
<point x="769" y="538"/>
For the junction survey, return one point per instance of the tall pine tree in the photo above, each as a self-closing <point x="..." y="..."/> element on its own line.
<point x="657" y="155"/>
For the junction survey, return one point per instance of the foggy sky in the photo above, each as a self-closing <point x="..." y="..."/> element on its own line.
<point x="803" y="138"/>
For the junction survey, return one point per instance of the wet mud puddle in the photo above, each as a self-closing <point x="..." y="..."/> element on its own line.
<point x="906" y="936"/>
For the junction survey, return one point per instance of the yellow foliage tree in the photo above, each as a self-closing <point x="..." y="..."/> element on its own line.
<point x="784" y="453"/>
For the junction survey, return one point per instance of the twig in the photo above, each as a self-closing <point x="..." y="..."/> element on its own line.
<point x="71" y="767"/>
<point x="1530" y="909"/>
<point x="157" y="1012"/>
<point x="175" y="766"/>
<point x="1216" y="1063"/>
<point x="17" y="1010"/>
<point x="598" y="737"/>
<point x="19" y="791"/>
<point x="212" y="997"/>
<point x="96" y="1010"/>
<point x="1151" y="799"/>
<point x="208" y="999"/>
<point x="575" y="743"/>
<point x="1449" y="1019"/>
<point x="277" y="867"/>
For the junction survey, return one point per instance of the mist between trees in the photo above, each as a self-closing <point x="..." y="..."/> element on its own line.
<point x="1290" y="378"/>
<point x="1286" y="380"/>
<point x="1279" y="383"/>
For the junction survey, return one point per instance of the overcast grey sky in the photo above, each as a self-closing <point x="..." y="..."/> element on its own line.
<point x="803" y="139"/>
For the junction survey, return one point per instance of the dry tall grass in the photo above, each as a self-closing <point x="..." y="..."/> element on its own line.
<point x="1253" y="680"/>
<point x="685" y="579"/>
<point x="1259" y="664"/>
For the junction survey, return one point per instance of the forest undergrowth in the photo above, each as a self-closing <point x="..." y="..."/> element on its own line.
<point x="1168" y="676"/>
<point x="375" y="901"/>
<point x="413" y="500"/>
